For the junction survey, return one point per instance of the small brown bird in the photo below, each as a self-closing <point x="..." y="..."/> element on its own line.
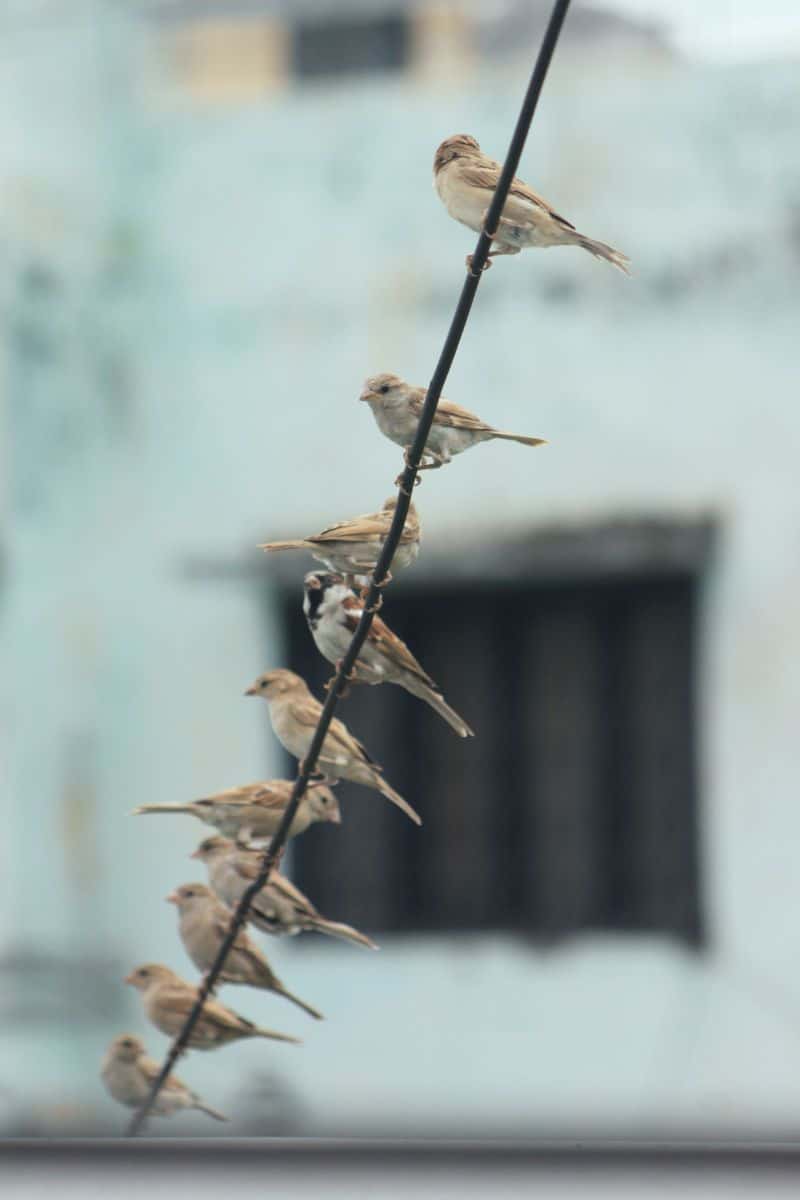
<point x="294" y="714"/>
<point x="333" y="612"/>
<point x="203" y="922"/>
<point x="397" y="407"/>
<point x="168" y="1000"/>
<point x="279" y="908"/>
<point x="465" y="179"/>
<point x="353" y="547"/>
<point x="253" y="812"/>
<point x="128" y="1075"/>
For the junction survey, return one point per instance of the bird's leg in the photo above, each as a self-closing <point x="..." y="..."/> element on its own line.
<point x="485" y="266"/>
<point x="349" y="679"/>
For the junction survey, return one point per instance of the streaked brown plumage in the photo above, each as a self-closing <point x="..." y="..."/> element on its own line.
<point x="294" y="714"/>
<point x="465" y="179"/>
<point x="353" y="546"/>
<point x="333" y="612"/>
<point x="168" y="1000"/>
<point x="254" y="811"/>
<point x="128" y="1075"/>
<point x="203" y="924"/>
<point x="280" y="907"/>
<point x="397" y="408"/>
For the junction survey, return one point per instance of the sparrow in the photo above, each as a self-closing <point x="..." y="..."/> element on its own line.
<point x="253" y="812"/>
<point x="353" y="547"/>
<point x="333" y="612"/>
<point x="128" y="1075"/>
<point x="465" y="180"/>
<point x="168" y="1000"/>
<point x="294" y="714"/>
<point x="397" y="407"/>
<point x="203" y="922"/>
<point x="279" y="907"/>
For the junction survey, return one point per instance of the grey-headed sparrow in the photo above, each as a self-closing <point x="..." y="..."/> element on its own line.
<point x="397" y="407"/>
<point x="294" y="714"/>
<point x="353" y="547"/>
<point x="168" y="1000"/>
<point x="333" y="612"/>
<point x="253" y="812"/>
<point x="203" y="922"/>
<point x="280" y="907"/>
<point x="128" y="1075"/>
<point x="465" y="180"/>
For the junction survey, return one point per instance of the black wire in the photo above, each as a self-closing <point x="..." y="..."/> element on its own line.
<point x="413" y="458"/>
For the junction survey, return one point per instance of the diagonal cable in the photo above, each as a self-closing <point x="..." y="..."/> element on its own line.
<point x="407" y="480"/>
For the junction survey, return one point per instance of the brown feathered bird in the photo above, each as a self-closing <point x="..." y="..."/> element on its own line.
<point x="465" y="180"/>
<point x="294" y="714"/>
<point x="203" y="922"/>
<point x="168" y="1000"/>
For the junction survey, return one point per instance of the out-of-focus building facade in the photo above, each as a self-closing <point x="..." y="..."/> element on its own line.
<point x="216" y="221"/>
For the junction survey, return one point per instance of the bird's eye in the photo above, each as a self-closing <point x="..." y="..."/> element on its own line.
<point x="383" y="389"/>
<point x="263" y="683"/>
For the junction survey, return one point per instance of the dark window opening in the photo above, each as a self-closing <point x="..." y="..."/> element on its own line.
<point x="575" y="806"/>
<point x="323" y="48"/>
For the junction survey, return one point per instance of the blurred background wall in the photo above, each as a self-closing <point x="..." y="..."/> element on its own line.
<point x="216" y="220"/>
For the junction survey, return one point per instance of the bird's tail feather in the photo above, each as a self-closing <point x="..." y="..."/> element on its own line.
<point x="388" y="791"/>
<point x="312" y="1012"/>
<point x="257" y="1031"/>
<point x="346" y="932"/>
<point x="296" y="545"/>
<point x="601" y="250"/>
<point x="162" y="808"/>
<point x="440" y="705"/>
<point x="523" y="441"/>
<point x="211" y="1112"/>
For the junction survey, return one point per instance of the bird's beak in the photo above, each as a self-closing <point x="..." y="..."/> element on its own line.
<point x="194" y="854"/>
<point x="335" y="817"/>
<point x="172" y="898"/>
<point x="252" y="691"/>
<point x="367" y="394"/>
<point x="128" y="978"/>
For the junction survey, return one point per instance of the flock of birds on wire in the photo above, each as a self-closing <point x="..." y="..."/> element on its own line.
<point x="247" y="816"/>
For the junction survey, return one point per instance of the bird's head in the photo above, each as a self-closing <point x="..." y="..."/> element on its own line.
<point x="148" y="974"/>
<point x="384" y="391"/>
<point x="460" y="145"/>
<point x="212" y="848"/>
<point x="190" y="896"/>
<point x="126" y="1048"/>
<point x="273" y="684"/>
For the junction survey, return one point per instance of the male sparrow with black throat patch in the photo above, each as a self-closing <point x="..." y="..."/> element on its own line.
<point x="333" y="612"/>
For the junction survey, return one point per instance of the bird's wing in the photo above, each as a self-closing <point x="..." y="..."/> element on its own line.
<point x="150" y="1070"/>
<point x="386" y="642"/>
<point x="267" y="792"/>
<point x="451" y="415"/>
<point x="486" y="174"/>
<point x="369" y="528"/>
<point x="292" y="893"/>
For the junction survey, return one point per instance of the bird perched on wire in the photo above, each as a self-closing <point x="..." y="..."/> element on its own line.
<point x="333" y="612"/>
<point x="279" y="907"/>
<point x="168" y="1000"/>
<point x="128" y="1075"/>
<point x="465" y="179"/>
<point x="203" y="922"/>
<point x="397" y="408"/>
<point x="294" y="714"/>
<point x="352" y="547"/>
<point x="253" y="812"/>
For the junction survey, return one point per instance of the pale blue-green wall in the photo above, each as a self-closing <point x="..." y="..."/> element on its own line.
<point x="179" y="381"/>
